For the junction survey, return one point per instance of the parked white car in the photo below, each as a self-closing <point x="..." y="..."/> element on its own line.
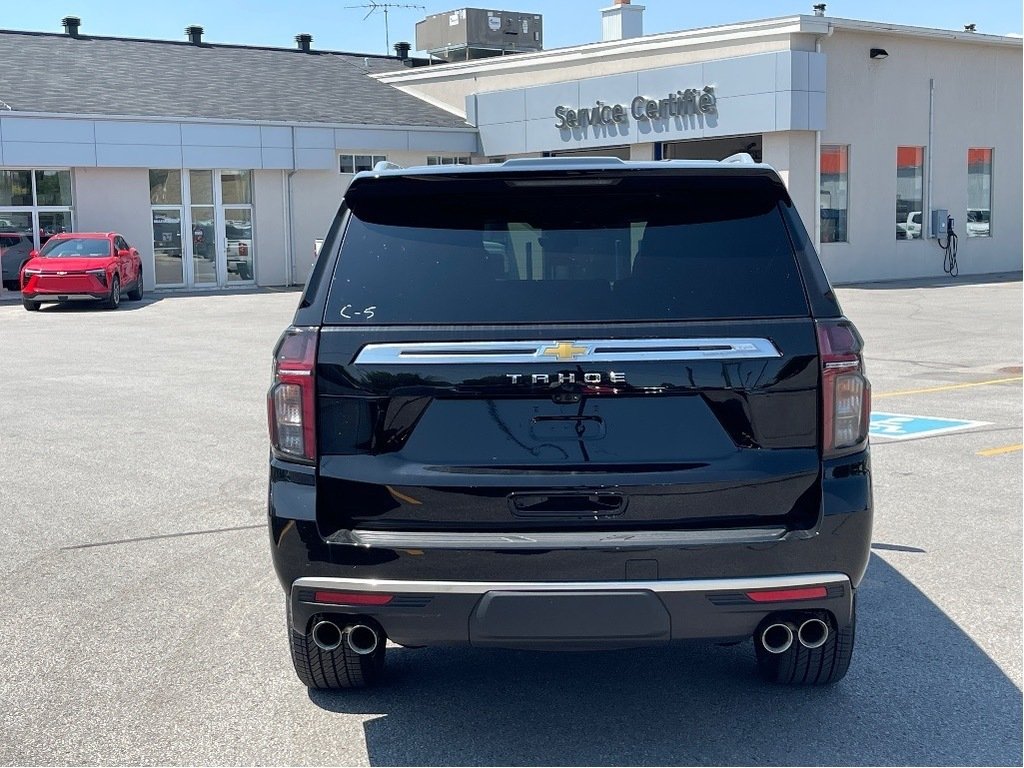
<point x="911" y="228"/>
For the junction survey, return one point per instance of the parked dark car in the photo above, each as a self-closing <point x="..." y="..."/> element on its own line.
<point x="14" y="252"/>
<point x="569" y="404"/>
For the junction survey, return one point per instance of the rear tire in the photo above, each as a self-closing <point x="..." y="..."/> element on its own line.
<point x="135" y="294"/>
<point x="31" y="306"/>
<point x="337" y="669"/>
<point x="114" y="301"/>
<point x="825" y="665"/>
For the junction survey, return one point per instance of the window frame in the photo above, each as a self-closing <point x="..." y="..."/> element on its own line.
<point x="34" y="209"/>
<point x="449" y="160"/>
<point x="924" y="190"/>
<point x="821" y="149"/>
<point x="351" y="156"/>
<point x="991" y="189"/>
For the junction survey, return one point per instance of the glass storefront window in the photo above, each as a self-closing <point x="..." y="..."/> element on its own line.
<point x="165" y="187"/>
<point x="15" y="188"/>
<point x="235" y="187"/>
<point x="167" y="255"/>
<point x="53" y="188"/>
<point x="202" y="229"/>
<point x="834" y="193"/>
<point x="34" y="206"/>
<point x="238" y="235"/>
<point x="53" y="223"/>
<point x="979" y="192"/>
<point x="909" y="192"/>
<point x="204" y="245"/>
<point x="201" y="187"/>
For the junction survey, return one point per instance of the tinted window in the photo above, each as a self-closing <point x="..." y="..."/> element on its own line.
<point x="634" y="248"/>
<point x="75" y="247"/>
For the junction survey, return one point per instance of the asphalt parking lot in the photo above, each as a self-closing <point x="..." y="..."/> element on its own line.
<point x="143" y="622"/>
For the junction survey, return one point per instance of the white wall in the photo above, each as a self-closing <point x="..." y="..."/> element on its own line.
<point x="875" y="106"/>
<point x="791" y="153"/>
<point x="316" y="196"/>
<point x="116" y="200"/>
<point x="270" y="227"/>
<point x="315" y="199"/>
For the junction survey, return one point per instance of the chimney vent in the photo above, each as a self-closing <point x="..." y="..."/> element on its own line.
<point x="402" y="50"/>
<point x="195" y="34"/>
<point x="304" y="40"/>
<point x="819" y="9"/>
<point x="71" y="25"/>
<point x="622" y="21"/>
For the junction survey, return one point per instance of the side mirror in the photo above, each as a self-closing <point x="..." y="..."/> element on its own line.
<point x="123" y="254"/>
<point x="33" y="253"/>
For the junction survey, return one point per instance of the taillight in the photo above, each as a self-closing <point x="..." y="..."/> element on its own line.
<point x="846" y="393"/>
<point x="291" y="404"/>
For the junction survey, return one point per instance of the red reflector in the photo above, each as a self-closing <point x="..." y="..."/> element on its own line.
<point x="353" y="598"/>
<point x="781" y="595"/>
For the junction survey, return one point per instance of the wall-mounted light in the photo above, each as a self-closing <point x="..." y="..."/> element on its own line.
<point x="879" y="53"/>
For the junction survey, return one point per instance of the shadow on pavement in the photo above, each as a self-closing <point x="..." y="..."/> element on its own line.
<point x="919" y="692"/>
<point x="944" y="281"/>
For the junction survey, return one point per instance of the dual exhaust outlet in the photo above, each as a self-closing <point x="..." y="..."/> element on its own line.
<point x="780" y="636"/>
<point x="360" y="638"/>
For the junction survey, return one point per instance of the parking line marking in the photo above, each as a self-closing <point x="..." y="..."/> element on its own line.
<point x="946" y="387"/>
<point x="904" y="426"/>
<point x="1002" y="450"/>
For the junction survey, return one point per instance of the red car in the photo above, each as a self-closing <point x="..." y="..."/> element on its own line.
<point x="98" y="266"/>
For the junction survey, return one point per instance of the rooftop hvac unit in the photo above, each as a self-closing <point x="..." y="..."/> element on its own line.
<point x="475" y="33"/>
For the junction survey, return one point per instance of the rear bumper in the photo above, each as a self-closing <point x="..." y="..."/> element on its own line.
<point x="568" y="615"/>
<point x="683" y="577"/>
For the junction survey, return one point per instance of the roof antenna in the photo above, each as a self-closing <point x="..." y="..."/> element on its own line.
<point x="376" y="7"/>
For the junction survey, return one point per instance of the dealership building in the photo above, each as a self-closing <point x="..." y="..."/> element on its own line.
<point x="224" y="164"/>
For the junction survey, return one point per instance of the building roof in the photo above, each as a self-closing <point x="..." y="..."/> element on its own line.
<point x="700" y="37"/>
<point x="57" y="73"/>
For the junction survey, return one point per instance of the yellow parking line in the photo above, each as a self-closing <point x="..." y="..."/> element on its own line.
<point x="1003" y="449"/>
<point x="945" y="388"/>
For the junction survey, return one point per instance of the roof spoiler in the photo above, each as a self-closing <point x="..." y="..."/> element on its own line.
<point x="548" y="162"/>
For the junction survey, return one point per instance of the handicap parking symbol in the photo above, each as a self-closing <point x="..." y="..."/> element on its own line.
<point x="900" y="426"/>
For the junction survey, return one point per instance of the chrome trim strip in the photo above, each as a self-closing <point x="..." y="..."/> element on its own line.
<point x="480" y="587"/>
<point x="583" y="351"/>
<point x="558" y="540"/>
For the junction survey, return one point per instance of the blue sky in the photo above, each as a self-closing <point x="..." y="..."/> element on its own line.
<point x="566" y="22"/>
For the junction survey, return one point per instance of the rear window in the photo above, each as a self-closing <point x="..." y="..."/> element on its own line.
<point x="601" y="249"/>
<point x="73" y="247"/>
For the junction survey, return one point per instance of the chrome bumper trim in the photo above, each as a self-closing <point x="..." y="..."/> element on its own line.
<point x="556" y="540"/>
<point x="480" y="587"/>
<point x="61" y="297"/>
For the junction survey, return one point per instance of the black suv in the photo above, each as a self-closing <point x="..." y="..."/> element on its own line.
<point x="569" y="404"/>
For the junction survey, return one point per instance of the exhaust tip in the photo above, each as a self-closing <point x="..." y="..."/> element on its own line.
<point x="777" y="638"/>
<point x="813" y="633"/>
<point x="362" y="639"/>
<point x="326" y="635"/>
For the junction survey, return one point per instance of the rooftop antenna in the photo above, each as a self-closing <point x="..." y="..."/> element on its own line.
<point x="375" y="7"/>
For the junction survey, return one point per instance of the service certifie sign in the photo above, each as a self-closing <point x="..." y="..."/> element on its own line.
<point x="678" y="104"/>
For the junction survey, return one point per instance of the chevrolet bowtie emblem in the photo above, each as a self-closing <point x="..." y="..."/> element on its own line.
<point x="564" y="350"/>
